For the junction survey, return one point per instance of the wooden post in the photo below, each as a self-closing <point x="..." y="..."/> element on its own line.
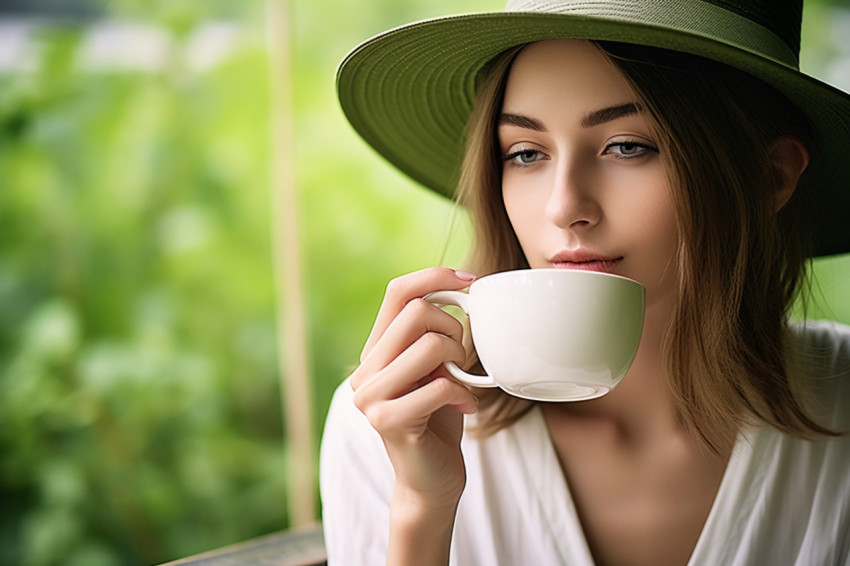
<point x="293" y="350"/>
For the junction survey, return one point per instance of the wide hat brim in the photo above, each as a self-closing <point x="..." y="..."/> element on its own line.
<point x="409" y="92"/>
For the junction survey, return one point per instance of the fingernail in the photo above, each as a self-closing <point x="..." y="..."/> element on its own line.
<point x="464" y="275"/>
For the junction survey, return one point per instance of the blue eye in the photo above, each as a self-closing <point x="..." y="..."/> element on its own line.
<point x="523" y="157"/>
<point x="629" y="149"/>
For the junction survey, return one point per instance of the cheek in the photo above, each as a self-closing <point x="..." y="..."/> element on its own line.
<point x="525" y="195"/>
<point x="655" y="230"/>
<point x="523" y="211"/>
<point x="649" y="209"/>
<point x="664" y="217"/>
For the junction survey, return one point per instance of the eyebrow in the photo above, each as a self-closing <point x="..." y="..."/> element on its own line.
<point x="594" y="118"/>
<point x="521" y="121"/>
<point x="608" y="114"/>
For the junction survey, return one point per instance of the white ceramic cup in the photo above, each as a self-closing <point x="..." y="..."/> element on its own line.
<point x="550" y="334"/>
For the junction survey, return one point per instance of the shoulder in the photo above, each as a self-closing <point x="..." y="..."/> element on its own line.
<point x="824" y="337"/>
<point x="786" y="499"/>
<point x="819" y="361"/>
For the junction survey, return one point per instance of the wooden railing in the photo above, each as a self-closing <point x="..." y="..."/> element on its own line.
<point x="302" y="547"/>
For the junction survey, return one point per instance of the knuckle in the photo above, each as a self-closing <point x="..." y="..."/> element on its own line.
<point x="396" y="286"/>
<point x="442" y="347"/>
<point x="432" y="341"/>
<point x="359" y="401"/>
<point x="456" y="325"/>
<point x="459" y="355"/>
<point x="362" y="375"/>
<point x="442" y="386"/>
<point x="418" y="307"/>
<point x="379" y="417"/>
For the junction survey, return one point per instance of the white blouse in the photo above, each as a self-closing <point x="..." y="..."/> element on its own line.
<point x="782" y="500"/>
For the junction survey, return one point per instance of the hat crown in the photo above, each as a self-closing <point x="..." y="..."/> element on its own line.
<point x="779" y="19"/>
<point x="782" y="17"/>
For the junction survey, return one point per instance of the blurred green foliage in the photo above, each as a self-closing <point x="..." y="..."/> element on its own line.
<point x="138" y="418"/>
<point x="139" y="390"/>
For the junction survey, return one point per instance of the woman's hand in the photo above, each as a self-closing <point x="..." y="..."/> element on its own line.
<point x="404" y="391"/>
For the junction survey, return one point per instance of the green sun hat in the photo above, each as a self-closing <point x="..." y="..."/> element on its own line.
<point x="409" y="91"/>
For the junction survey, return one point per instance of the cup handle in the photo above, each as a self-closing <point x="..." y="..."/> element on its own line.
<point x="460" y="300"/>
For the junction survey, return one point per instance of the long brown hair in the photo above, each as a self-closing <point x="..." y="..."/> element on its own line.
<point x="741" y="264"/>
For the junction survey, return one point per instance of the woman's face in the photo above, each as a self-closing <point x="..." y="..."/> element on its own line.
<point x="582" y="180"/>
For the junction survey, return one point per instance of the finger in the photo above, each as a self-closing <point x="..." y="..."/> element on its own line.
<point x="418" y="317"/>
<point x="409" y="415"/>
<point x="414" y="285"/>
<point x="405" y="373"/>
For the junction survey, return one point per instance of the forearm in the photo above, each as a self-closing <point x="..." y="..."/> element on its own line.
<point x="420" y="533"/>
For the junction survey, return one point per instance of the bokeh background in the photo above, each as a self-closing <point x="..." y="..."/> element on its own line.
<point x="143" y="395"/>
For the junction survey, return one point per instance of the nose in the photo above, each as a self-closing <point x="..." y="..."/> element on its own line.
<point x="572" y="202"/>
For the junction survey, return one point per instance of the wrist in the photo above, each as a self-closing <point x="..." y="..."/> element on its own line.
<point x="413" y="503"/>
<point x="420" y="529"/>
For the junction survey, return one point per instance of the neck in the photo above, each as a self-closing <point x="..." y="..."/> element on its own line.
<point x="641" y="407"/>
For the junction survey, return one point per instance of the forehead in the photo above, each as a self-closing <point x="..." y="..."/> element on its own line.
<point x="558" y="71"/>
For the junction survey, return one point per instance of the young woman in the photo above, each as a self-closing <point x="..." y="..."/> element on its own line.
<point x="677" y="146"/>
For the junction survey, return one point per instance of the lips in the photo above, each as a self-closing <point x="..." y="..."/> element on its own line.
<point x="584" y="260"/>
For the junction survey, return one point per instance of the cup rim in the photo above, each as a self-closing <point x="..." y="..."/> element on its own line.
<point x="550" y="270"/>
